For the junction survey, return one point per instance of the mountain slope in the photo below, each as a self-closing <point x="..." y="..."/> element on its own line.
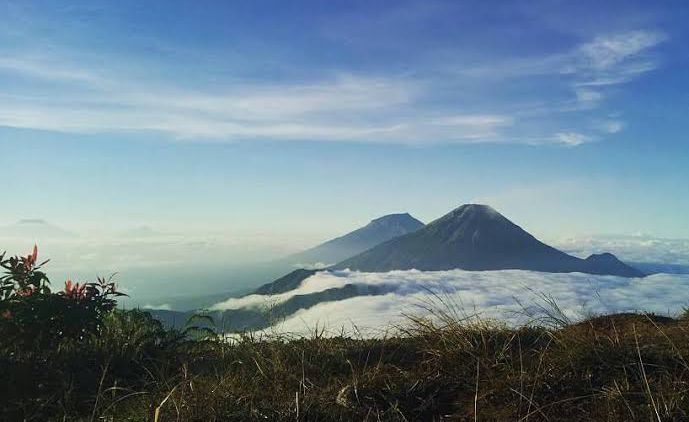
<point x="476" y="237"/>
<point x="377" y="231"/>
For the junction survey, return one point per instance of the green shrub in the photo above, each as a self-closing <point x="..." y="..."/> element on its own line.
<point x="32" y="316"/>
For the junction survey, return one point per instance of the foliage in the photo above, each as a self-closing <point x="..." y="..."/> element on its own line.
<point x="31" y="314"/>
<point x="22" y="276"/>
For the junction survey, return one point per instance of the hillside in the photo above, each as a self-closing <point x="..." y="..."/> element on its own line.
<point x="611" y="368"/>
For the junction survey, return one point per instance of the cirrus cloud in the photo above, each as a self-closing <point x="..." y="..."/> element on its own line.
<point x="56" y="87"/>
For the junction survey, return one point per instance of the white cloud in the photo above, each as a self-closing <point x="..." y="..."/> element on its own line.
<point x="87" y="95"/>
<point x="161" y="307"/>
<point x="587" y="70"/>
<point x="607" y="51"/>
<point x="572" y="139"/>
<point x="637" y="248"/>
<point x="588" y="97"/>
<point x="601" y="82"/>
<point x="489" y="294"/>
<point x="313" y="265"/>
<point x="48" y="70"/>
<point x="283" y="102"/>
<point x="342" y="108"/>
<point x="477" y="120"/>
<point x="613" y="59"/>
<point x="612" y="126"/>
<point x="308" y="286"/>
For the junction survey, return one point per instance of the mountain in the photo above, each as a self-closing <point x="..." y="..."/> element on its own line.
<point x="377" y="231"/>
<point x="35" y="229"/>
<point x="471" y="237"/>
<point x="476" y="237"/>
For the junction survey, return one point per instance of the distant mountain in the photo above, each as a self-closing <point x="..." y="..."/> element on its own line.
<point x="476" y="237"/>
<point x="377" y="231"/>
<point x="34" y="229"/>
<point x="142" y="231"/>
<point x="471" y="237"/>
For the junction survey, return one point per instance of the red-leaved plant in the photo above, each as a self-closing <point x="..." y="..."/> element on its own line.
<point x="31" y="313"/>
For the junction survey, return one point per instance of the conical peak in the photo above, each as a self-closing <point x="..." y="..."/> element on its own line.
<point x="605" y="256"/>
<point x="477" y="209"/>
<point x="30" y="221"/>
<point x="394" y="218"/>
<point x="471" y="212"/>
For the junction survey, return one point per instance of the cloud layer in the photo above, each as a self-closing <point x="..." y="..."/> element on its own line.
<point x="512" y="296"/>
<point x="640" y="248"/>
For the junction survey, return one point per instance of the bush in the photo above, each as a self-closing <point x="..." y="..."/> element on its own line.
<point x="31" y="316"/>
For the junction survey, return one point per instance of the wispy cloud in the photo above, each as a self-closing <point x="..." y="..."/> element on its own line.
<point x="477" y="120"/>
<point x="343" y="106"/>
<point x="572" y="139"/>
<point x="588" y="71"/>
<point x="588" y="97"/>
<point x="609" y="51"/>
<point x="611" y="126"/>
<point x="47" y="70"/>
<point x="605" y="60"/>
<point x="162" y="307"/>
<point x="610" y="60"/>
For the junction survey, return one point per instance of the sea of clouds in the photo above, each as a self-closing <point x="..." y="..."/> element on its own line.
<point x="512" y="296"/>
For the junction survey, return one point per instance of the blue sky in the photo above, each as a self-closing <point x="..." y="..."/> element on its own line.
<point x="305" y="119"/>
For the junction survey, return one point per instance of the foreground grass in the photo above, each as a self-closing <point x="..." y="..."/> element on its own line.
<point x="610" y="368"/>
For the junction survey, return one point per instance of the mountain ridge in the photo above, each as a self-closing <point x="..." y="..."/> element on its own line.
<point x="378" y="230"/>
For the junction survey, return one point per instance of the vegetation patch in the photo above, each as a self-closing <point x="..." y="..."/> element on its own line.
<point x="71" y="355"/>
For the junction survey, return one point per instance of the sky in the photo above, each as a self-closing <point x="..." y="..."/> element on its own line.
<point x="287" y="123"/>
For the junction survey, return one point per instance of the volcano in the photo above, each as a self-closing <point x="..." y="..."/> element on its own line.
<point x="374" y="233"/>
<point x="476" y="237"/>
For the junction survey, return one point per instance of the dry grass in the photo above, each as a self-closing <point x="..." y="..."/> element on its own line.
<point x="611" y="368"/>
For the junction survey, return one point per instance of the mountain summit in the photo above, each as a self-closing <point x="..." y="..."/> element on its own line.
<point x="377" y="231"/>
<point x="476" y="237"/>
